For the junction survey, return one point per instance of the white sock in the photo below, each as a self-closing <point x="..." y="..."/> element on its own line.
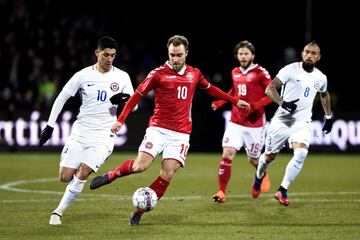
<point x="262" y="166"/>
<point x="294" y="166"/>
<point x="72" y="191"/>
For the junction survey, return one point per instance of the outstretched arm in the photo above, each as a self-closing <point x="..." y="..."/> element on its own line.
<point x="217" y="93"/>
<point x="55" y="111"/>
<point x="264" y="101"/>
<point x="130" y="104"/>
<point x="219" y="103"/>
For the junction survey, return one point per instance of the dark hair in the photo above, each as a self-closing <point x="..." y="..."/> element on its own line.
<point x="106" y="42"/>
<point x="314" y="44"/>
<point x="177" y="40"/>
<point x="244" y="44"/>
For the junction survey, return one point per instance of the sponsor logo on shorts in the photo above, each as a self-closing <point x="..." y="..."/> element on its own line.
<point x="226" y="140"/>
<point x="66" y="150"/>
<point x="268" y="147"/>
<point x="149" y="145"/>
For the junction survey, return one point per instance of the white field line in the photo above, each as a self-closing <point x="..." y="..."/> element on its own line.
<point x="162" y="199"/>
<point x="15" y="187"/>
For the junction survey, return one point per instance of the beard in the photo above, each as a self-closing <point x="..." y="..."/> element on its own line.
<point x="177" y="67"/>
<point x="245" y="64"/>
<point x="309" y="67"/>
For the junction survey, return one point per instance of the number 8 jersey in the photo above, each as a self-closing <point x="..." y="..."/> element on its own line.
<point x="302" y="85"/>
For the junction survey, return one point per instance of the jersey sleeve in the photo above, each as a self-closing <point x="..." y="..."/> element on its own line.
<point x="57" y="107"/>
<point x="69" y="90"/>
<point x="73" y="85"/>
<point x="128" y="88"/>
<point x="265" y="78"/>
<point x="203" y="83"/>
<point x="149" y="83"/>
<point x="130" y="104"/>
<point x="323" y="87"/>
<point x="285" y="74"/>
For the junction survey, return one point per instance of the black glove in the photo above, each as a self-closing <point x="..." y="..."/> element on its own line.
<point x="119" y="98"/>
<point x="328" y="123"/>
<point x="45" y="135"/>
<point x="290" y="106"/>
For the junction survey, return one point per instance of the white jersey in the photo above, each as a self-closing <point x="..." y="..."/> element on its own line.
<point x="302" y="85"/>
<point x="97" y="114"/>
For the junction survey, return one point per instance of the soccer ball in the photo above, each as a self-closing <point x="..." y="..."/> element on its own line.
<point x="144" y="199"/>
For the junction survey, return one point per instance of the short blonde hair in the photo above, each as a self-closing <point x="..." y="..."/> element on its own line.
<point x="177" y="40"/>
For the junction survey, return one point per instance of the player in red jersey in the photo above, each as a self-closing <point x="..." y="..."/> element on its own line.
<point x="174" y="84"/>
<point x="245" y="128"/>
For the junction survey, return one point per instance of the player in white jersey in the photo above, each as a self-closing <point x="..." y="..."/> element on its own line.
<point x="300" y="82"/>
<point x="102" y="88"/>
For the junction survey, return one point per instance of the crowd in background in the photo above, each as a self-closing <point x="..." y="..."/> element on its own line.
<point x="45" y="42"/>
<point x="42" y="46"/>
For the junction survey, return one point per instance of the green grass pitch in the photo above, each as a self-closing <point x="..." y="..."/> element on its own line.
<point x="324" y="201"/>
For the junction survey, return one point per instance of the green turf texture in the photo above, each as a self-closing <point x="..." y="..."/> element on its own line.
<point x="324" y="201"/>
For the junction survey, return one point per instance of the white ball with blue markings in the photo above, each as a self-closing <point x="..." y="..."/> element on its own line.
<point x="145" y="199"/>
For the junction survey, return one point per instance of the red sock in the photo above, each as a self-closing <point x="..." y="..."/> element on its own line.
<point x="224" y="173"/>
<point x="122" y="170"/>
<point x="159" y="186"/>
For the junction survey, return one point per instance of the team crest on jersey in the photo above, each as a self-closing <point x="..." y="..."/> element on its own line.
<point x="114" y="86"/>
<point x="317" y="85"/>
<point x="190" y="76"/>
<point x="149" y="145"/>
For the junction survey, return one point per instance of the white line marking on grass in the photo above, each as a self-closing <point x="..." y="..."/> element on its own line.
<point x="324" y="200"/>
<point x="11" y="186"/>
<point x="14" y="187"/>
<point x="173" y="198"/>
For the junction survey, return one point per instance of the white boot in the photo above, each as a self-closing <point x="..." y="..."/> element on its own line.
<point x="55" y="219"/>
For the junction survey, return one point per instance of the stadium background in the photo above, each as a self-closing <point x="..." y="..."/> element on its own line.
<point x="44" y="43"/>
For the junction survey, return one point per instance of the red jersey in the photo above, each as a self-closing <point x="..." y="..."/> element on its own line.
<point x="173" y="96"/>
<point x="249" y="86"/>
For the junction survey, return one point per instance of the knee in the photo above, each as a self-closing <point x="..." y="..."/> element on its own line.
<point x="253" y="161"/>
<point x="65" y="178"/>
<point x="229" y="153"/>
<point x="167" y="174"/>
<point x="300" y="154"/>
<point x="299" y="157"/>
<point x="83" y="172"/>
<point x="270" y="157"/>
